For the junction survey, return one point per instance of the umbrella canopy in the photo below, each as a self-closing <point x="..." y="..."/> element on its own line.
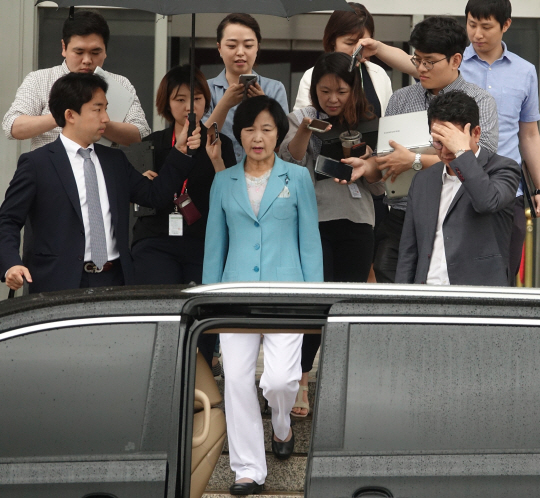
<point x="281" y="8"/>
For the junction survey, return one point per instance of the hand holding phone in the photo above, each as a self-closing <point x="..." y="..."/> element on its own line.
<point x="247" y="80"/>
<point x="213" y="133"/>
<point x="358" y="150"/>
<point x="333" y="169"/>
<point x="319" y="125"/>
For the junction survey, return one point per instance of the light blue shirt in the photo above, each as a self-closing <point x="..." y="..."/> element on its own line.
<point x="514" y="85"/>
<point x="218" y="87"/>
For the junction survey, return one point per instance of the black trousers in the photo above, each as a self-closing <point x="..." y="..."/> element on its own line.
<point x="347" y="255"/>
<point x="516" y="239"/>
<point x="173" y="260"/>
<point x="347" y="250"/>
<point x="387" y="238"/>
<point x="168" y="260"/>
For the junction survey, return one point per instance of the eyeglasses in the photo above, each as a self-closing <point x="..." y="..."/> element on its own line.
<point x="416" y="61"/>
<point x="436" y="145"/>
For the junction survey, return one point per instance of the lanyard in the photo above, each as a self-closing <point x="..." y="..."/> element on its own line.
<point x="184" y="187"/>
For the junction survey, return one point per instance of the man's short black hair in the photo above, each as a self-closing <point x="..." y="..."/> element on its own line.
<point x="501" y="10"/>
<point x="439" y="35"/>
<point x="84" y="23"/>
<point x="456" y="107"/>
<point x="72" y="91"/>
<point x="247" y="112"/>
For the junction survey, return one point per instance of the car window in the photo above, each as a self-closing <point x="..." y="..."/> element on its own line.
<point x="439" y="387"/>
<point x="426" y="404"/>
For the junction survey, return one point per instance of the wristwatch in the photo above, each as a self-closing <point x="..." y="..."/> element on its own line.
<point x="537" y="192"/>
<point x="417" y="165"/>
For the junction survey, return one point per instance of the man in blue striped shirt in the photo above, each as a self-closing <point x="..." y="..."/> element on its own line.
<point x="513" y="83"/>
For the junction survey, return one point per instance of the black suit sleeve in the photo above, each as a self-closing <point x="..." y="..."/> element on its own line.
<point x="159" y="193"/>
<point x="408" y="245"/>
<point x="13" y="212"/>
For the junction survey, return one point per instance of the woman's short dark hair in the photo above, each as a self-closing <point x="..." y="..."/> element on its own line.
<point x="501" y="10"/>
<point x="337" y="64"/>
<point x="238" y="18"/>
<point x="176" y="77"/>
<point x="84" y="23"/>
<point x="247" y="112"/>
<point x="455" y="107"/>
<point x="439" y="35"/>
<point x="72" y="91"/>
<point x="346" y="22"/>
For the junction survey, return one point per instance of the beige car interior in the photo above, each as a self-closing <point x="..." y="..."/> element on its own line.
<point x="208" y="428"/>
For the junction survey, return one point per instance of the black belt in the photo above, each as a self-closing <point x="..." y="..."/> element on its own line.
<point x="90" y="267"/>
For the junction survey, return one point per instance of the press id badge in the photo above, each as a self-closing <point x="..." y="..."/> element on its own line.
<point x="355" y="191"/>
<point x="176" y="224"/>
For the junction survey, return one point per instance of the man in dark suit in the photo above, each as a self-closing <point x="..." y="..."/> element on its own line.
<point x="76" y="197"/>
<point x="459" y="215"/>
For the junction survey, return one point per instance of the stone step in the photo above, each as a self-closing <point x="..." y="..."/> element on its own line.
<point x="283" y="476"/>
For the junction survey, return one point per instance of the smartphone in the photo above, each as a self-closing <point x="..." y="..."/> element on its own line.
<point x="356" y="56"/>
<point x="358" y="150"/>
<point x="318" y="125"/>
<point x="332" y="168"/>
<point x="247" y="80"/>
<point x="213" y="133"/>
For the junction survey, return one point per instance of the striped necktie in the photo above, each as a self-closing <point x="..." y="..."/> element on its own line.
<point x="98" y="242"/>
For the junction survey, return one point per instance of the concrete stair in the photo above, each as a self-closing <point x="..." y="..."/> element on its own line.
<point x="285" y="479"/>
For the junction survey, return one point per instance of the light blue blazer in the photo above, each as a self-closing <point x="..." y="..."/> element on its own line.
<point x="281" y="244"/>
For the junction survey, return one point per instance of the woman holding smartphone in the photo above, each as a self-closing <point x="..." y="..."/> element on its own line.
<point x="346" y="213"/>
<point x="159" y="256"/>
<point x="341" y="34"/>
<point x="238" y="42"/>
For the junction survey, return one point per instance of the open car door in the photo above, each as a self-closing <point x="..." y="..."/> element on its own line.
<point x="92" y="394"/>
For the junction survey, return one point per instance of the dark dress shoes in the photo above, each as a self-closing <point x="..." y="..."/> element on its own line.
<point x="282" y="450"/>
<point x="246" y="488"/>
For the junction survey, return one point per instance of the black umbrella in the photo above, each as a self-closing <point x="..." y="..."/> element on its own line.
<point x="280" y="8"/>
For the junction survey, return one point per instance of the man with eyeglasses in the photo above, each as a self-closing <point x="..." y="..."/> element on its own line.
<point x="459" y="212"/>
<point x="439" y="43"/>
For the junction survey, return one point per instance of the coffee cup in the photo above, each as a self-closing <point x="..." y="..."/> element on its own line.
<point x="348" y="140"/>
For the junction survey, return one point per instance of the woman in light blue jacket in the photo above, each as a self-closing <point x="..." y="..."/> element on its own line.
<point x="262" y="226"/>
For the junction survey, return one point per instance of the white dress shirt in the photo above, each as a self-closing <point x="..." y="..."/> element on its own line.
<point x="438" y="270"/>
<point x="77" y="165"/>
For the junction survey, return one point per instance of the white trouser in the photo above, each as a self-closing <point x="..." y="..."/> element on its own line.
<point x="279" y="382"/>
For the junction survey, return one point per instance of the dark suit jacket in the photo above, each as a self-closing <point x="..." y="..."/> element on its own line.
<point x="476" y="228"/>
<point x="44" y="190"/>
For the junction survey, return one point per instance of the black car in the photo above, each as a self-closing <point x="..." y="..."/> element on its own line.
<point x="421" y="391"/>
